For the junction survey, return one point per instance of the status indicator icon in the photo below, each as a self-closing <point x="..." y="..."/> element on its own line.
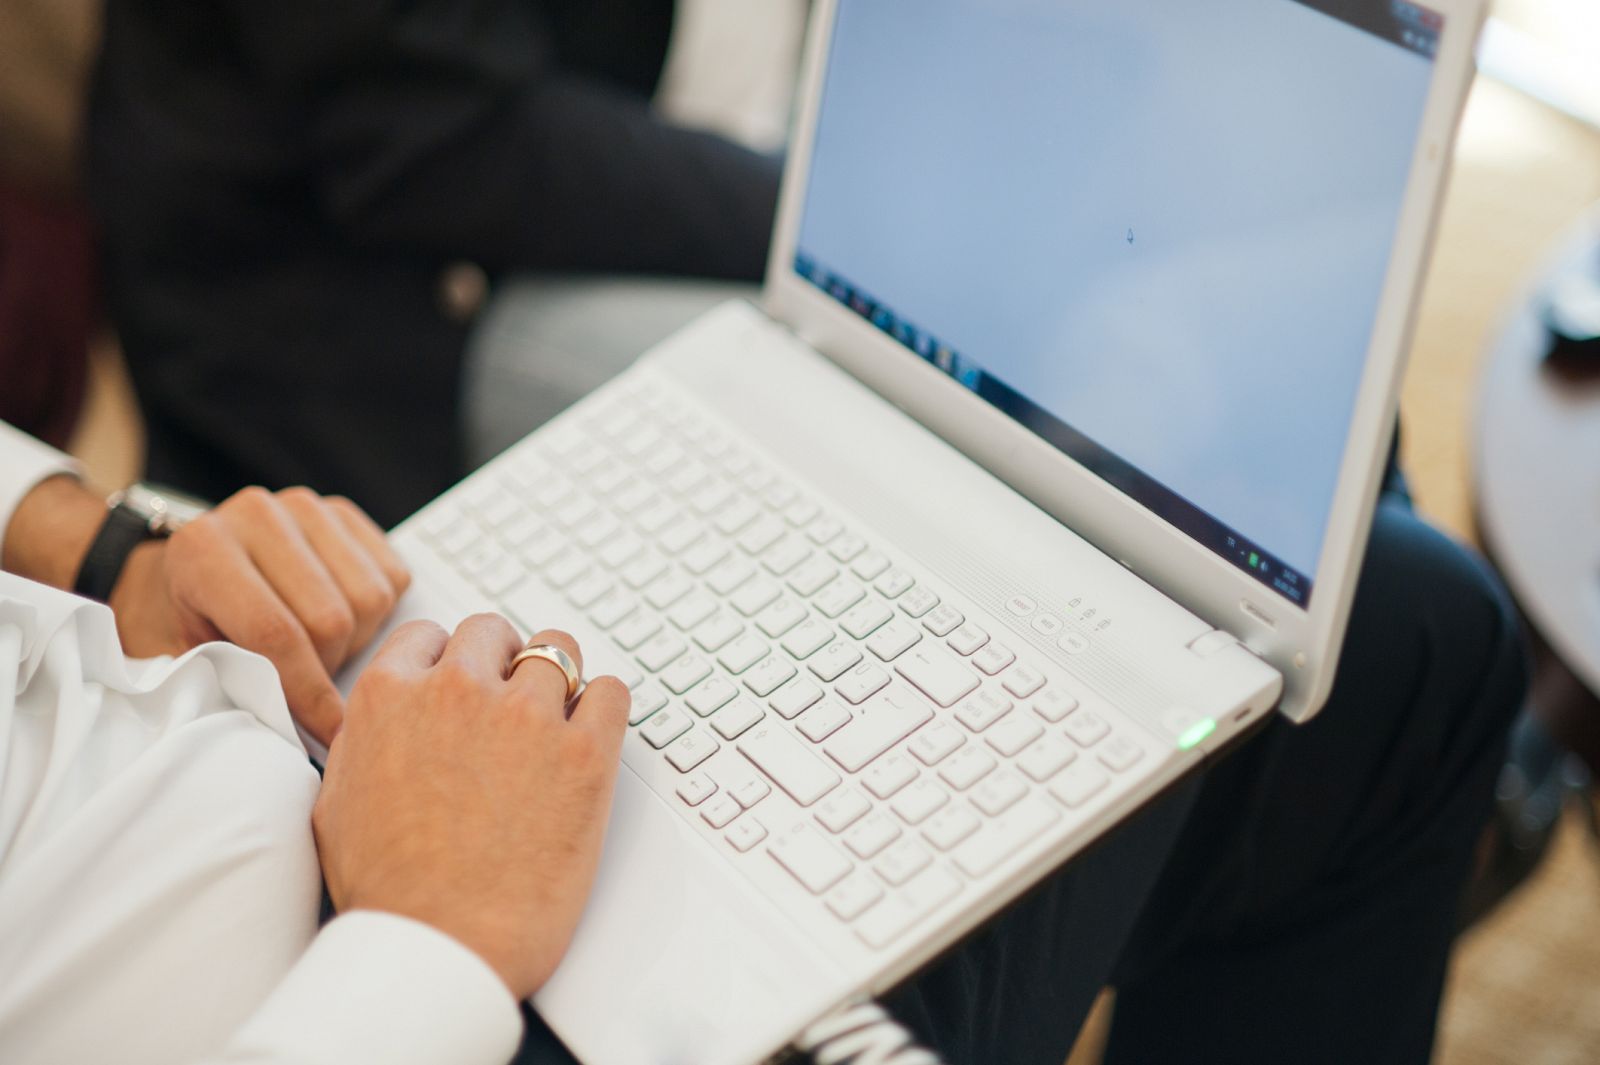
<point x="1255" y="560"/>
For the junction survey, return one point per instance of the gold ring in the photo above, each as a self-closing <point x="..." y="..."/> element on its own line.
<point x="557" y="657"/>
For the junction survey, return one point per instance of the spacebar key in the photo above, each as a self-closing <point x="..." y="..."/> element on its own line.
<point x="793" y="768"/>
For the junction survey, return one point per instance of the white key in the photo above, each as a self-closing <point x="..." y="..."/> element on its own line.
<point x="936" y="743"/>
<point x="865" y="618"/>
<point x="761" y="535"/>
<point x="768" y="675"/>
<point x="479" y="556"/>
<point x="895" y="583"/>
<point x="750" y="792"/>
<point x="808" y="639"/>
<point x="800" y="512"/>
<point x="664" y="727"/>
<point x="842" y="809"/>
<point x="854" y="896"/>
<point x="644" y="569"/>
<point x="893" y="640"/>
<point x="566" y="569"/>
<point x="882" y="722"/>
<point x="1013" y="734"/>
<point x="778" y="495"/>
<point x="998" y="792"/>
<point x="967" y="639"/>
<point x="938" y="676"/>
<point x="657" y="516"/>
<point x="822" y="721"/>
<point x="983" y="710"/>
<point x="685" y="673"/>
<point x="746" y="833"/>
<point x="950" y="826"/>
<point x="696" y="789"/>
<point x="1054" y="705"/>
<point x="729" y="575"/>
<point x="755" y="596"/>
<point x="660" y="651"/>
<point x="780" y="617"/>
<point x="690" y="749"/>
<point x="646" y="701"/>
<point x="918" y="802"/>
<point x="897" y="914"/>
<point x="993" y="658"/>
<point x="918" y="601"/>
<point x="889" y="776"/>
<point x="668" y="589"/>
<point x="1046" y="758"/>
<point x="902" y="861"/>
<point x="862" y="682"/>
<point x="871" y="835"/>
<point x="968" y="767"/>
<point x="870" y="566"/>
<point x="807" y="855"/>
<point x="743" y="653"/>
<point x="715" y="632"/>
<point x="837" y="657"/>
<point x="735" y="516"/>
<point x="720" y="810"/>
<point x="736" y="719"/>
<point x="1120" y="753"/>
<point x="504" y="575"/>
<point x="824" y="529"/>
<point x="784" y="556"/>
<point x="586" y="591"/>
<point x="712" y="497"/>
<point x="612" y="608"/>
<point x="794" y="697"/>
<point x="846" y="547"/>
<point x="634" y="498"/>
<point x="813" y="575"/>
<point x="700" y="558"/>
<point x="711" y="696"/>
<point x="692" y="610"/>
<point x="791" y="766"/>
<point x="688" y="477"/>
<point x="1024" y="681"/>
<point x="1086" y="728"/>
<point x="597" y="530"/>
<point x="837" y="597"/>
<point x="1006" y="835"/>
<point x="1078" y="783"/>
<point x="943" y="620"/>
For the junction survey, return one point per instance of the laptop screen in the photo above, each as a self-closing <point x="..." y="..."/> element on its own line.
<point x="1155" y="232"/>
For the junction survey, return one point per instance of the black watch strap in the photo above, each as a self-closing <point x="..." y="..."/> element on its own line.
<point x="124" y="529"/>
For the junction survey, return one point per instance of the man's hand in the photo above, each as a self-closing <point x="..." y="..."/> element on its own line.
<point x="302" y="579"/>
<point x="468" y="800"/>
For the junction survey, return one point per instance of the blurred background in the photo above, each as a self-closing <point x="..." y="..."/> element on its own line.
<point x="1525" y="984"/>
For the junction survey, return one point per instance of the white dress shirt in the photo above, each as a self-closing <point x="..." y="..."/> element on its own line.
<point x="159" y="885"/>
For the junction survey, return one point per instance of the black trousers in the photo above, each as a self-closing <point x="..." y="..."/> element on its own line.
<point x="1296" y="902"/>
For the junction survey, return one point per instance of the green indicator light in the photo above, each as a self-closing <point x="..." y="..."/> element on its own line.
<point x="1255" y="560"/>
<point x="1196" y="733"/>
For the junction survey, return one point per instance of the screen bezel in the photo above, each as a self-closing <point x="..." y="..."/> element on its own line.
<point x="1302" y="642"/>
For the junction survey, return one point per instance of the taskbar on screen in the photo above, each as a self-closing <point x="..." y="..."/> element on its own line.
<point x="1177" y="511"/>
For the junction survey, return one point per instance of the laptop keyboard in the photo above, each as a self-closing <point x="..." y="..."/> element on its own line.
<point x="819" y="706"/>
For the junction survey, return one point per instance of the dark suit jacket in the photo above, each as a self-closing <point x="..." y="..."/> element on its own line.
<point x="281" y="185"/>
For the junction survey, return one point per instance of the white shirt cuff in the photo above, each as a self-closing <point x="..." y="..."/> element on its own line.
<point x="24" y="462"/>
<point x="382" y="989"/>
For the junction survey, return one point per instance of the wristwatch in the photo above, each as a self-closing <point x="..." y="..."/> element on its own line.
<point x="138" y="513"/>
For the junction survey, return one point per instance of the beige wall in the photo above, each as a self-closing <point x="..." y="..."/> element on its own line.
<point x="46" y="48"/>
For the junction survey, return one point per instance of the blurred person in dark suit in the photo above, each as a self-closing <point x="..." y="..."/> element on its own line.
<point x="289" y="193"/>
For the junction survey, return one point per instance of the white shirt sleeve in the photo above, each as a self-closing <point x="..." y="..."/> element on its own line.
<point x="24" y="462"/>
<point x="381" y="989"/>
<point x="159" y="885"/>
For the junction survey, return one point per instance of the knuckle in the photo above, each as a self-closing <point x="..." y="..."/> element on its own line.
<point x="275" y="631"/>
<point x="373" y="601"/>
<point x="333" y="622"/>
<point x="299" y="497"/>
<point x="253" y="499"/>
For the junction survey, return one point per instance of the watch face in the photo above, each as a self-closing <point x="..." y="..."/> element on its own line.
<point x="166" y="509"/>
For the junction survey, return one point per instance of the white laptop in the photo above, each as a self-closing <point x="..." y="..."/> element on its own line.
<point x="1043" y="472"/>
